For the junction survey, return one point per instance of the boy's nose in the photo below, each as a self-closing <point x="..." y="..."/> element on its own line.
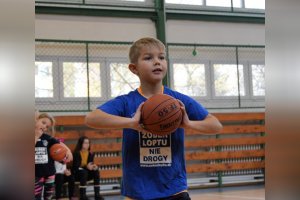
<point x="156" y="61"/>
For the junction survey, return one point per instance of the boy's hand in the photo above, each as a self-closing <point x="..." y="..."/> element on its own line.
<point x="208" y="125"/>
<point x="136" y="123"/>
<point x="185" y="119"/>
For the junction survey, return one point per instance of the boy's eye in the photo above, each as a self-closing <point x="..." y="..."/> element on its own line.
<point x="147" y="58"/>
<point x="162" y="57"/>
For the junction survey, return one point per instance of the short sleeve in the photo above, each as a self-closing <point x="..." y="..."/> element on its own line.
<point x="194" y="110"/>
<point x="115" y="106"/>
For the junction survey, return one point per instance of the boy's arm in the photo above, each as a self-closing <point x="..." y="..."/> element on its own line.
<point x="208" y="125"/>
<point x="102" y="120"/>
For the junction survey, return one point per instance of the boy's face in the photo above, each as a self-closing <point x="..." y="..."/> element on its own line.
<point x="151" y="65"/>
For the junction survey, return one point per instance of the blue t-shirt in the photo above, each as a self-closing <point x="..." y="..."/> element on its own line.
<point x="153" y="166"/>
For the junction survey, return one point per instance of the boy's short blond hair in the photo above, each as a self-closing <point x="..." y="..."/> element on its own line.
<point x="134" y="51"/>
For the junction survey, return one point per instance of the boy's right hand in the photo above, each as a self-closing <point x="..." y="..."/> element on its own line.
<point x="136" y="123"/>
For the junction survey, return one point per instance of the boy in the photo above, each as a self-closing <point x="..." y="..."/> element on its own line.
<point x="144" y="175"/>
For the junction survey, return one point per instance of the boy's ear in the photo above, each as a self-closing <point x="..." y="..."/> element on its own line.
<point x="132" y="68"/>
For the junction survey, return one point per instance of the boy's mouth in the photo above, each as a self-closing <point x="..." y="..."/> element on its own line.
<point x="157" y="70"/>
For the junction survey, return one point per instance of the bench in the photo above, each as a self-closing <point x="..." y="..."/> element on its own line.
<point x="211" y="159"/>
<point x="236" y="151"/>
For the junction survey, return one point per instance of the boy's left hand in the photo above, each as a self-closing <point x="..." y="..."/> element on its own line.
<point x="185" y="119"/>
<point x="209" y="124"/>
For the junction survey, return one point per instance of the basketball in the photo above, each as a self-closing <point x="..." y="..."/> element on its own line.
<point x="161" y="114"/>
<point x="58" y="152"/>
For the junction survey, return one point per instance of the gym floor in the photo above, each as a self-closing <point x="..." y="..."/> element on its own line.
<point x="253" y="192"/>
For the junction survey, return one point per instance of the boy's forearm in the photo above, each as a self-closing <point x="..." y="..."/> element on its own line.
<point x="209" y="125"/>
<point x="101" y="120"/>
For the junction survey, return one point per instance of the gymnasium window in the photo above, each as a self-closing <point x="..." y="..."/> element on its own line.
<point x="75" y="79"/>
<point x="244" y="4"/>
<point x="255" y="4"/>
<point x="190" y="79"/>
<point x="226" y="79"/>
<point x="187" y="2"/>
<point x="122" y="79"/>
<point x="43" y="79"/>
<point x="221" y="3"/>
<point x="206" y="73"/>
<point x="237" y="3"/>
<point x="127" y="3"/>
<point x="258" y="80"/>
<point x="135" y="0"/>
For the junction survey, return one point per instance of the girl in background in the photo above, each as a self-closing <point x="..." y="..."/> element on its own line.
<point x="63" y="174"/>
<point x="44" y="164"/>
<point x="84" y="168"/>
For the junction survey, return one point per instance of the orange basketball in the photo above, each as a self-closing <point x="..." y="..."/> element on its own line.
<point x="58" y="152"/>
<point x="161" y="114"/>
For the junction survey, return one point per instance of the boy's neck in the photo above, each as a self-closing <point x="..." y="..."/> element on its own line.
<point x="149" y="90"/>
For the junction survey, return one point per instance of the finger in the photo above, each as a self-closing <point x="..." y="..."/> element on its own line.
<point x="65" y="160"/>
<point x="140" y="106"/>
<point x="180" y="102"/>
<point x="142" y="128"/>
<point x="182" y="106"/>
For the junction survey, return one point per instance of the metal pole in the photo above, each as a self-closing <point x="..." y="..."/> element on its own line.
<point x="238" y="75"/>
<point x="88" y="75"/>
<point x="160" y="23"/>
